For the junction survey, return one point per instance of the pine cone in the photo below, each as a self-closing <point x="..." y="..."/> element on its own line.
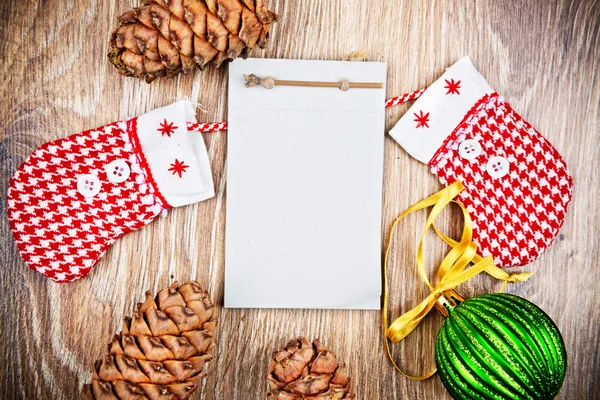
<point x="161" y="352"/>
<point x="166" y="37"/>
<point x="304" y="371"/>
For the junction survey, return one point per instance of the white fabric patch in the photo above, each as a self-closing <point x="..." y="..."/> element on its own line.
<point x="177" y="157"/>
<point x="423" y="129"/>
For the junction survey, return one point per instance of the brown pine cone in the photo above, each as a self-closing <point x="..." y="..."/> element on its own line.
<point x="305" y="371"/>
<point x="166" y="37"/>
<point x="161" y="351"/>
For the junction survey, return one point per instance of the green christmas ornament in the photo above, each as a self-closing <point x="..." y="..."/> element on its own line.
<point x="494" y="346"/>
<point x="499" y="346"/>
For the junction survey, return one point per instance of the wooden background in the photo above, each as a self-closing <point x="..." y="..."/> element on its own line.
<point x="543" y="56"/>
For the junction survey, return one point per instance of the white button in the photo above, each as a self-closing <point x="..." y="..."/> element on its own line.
<point x="497" y="167"/>
<point x="117" y="171"/>
<point x="88" y="185"/>
<point x="469" y="149"/>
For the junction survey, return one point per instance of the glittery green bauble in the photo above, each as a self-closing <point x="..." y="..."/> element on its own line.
<point x="500" y="346"/>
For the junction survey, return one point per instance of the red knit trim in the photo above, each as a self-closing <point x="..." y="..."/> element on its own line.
<point x="452" y="136"/>
<point x="137" y="149"/>
<point x="204" y="127"/>
<point x="221" y="126"/>
<point x="394" y="101"/>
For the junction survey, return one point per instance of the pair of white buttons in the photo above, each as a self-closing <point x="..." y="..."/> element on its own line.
<point x="117" y="171"/>
<point x="496" y="167"/>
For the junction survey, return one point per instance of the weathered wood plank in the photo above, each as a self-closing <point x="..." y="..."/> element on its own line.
<point x="544" y="57"/>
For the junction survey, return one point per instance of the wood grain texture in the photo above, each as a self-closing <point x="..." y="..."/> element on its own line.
<point x="543" y="56"/>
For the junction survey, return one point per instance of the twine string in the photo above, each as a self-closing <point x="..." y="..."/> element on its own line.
<point x="221" y="126"/>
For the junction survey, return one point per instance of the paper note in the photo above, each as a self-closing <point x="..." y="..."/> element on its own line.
<point x="304" y="187"/>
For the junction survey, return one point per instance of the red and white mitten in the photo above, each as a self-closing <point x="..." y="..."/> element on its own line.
<point x="517" y="187"/>
<point x="73" y="197"/>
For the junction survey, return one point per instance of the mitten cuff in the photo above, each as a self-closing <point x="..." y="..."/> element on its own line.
<point x="433" y="117"/>
<point x="175" y="159"/>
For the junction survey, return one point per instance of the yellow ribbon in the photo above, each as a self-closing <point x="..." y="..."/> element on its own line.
<point x="452" y="271"/>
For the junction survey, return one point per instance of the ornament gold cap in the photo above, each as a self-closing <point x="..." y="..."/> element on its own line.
<point x="448" y="301"/>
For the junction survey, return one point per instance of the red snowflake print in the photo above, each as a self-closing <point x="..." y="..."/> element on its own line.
<point x="452" y="86"/>
<point x="178" y="167"/>
<point x="167" y="128"/>
<point x="422" y="119"/>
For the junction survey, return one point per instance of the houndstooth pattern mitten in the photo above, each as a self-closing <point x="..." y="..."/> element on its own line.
<point x="517" y="187"/>
<point x="73" y="197"/>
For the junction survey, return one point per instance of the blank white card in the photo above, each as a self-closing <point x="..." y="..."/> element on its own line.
<point x="304" y="187"/>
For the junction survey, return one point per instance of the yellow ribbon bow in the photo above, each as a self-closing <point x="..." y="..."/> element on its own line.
<point x="452" y="271"/>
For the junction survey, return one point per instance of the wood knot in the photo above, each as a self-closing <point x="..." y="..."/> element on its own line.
<point x="253" y="80"/>
<point x="268" y="82"/>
